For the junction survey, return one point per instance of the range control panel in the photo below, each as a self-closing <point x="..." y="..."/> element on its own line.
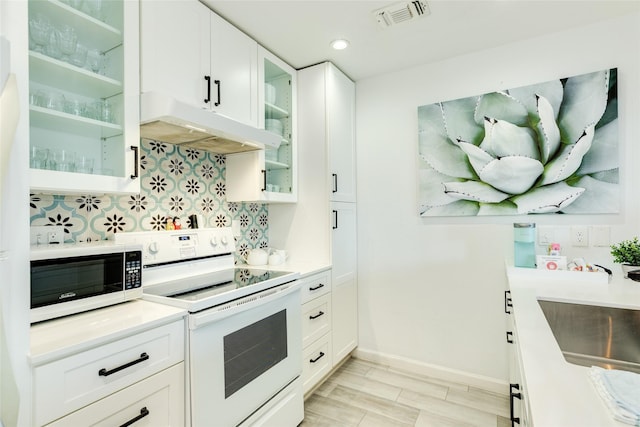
<point x="160" y="247"/>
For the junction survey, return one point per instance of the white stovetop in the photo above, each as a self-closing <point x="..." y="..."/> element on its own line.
<point x="560" y="393"/>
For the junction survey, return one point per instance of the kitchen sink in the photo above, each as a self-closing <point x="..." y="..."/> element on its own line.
<point x="591" y="335"/>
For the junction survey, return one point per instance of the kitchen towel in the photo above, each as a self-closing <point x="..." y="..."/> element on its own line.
<point x="620" y="390"/>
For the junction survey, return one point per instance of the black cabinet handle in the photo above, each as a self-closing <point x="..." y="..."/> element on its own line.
<point x="264" y="180"/>
<point x="136" y="162"/>
<point x="317" y="358"/>
<point x="510" y="337"/>
<point x="105" y="373"/>
<point x="335" y="182"/>
<point x="208" y="98"/>
<point x="315" y="288"/>
<point x="143" y="413"/>
<point x="507" y="302"/>
<point x="335" y="219"/>
<point x="320" y="313"/>
<point x="512" y="395"/>
<point x="217" y="83"/>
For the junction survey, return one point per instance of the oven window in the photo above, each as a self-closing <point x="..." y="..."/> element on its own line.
<point x="252" y="350"/>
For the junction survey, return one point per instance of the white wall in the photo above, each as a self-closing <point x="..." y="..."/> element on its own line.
<point x="431" y="290"/>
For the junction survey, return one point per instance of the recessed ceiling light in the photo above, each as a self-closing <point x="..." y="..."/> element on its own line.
<point x="340" y="44"/>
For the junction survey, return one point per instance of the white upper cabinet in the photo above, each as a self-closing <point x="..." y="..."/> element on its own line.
<point x="193" y="55"/>
<point x="234" y="72"/>
<point x="83" y="96"/>
<point x="175" y="46"/>
<point x="269" y="175"/>
<point x="340" y="110"/>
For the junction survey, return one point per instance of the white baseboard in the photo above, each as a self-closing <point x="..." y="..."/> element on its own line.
<point x="440" y="372"/>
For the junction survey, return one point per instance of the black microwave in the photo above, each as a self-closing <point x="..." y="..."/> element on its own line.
<point x="72" y="278"/>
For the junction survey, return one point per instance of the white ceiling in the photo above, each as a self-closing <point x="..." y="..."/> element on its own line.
<point x="299" y="31"/>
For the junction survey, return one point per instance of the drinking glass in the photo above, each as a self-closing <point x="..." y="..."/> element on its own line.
<point x="56" y="101"/>
<point x="79" y="57"/>
<point x="65" y="160"/>
<point x="39" y="30"/>
<point x="38" y="158"/>
<point x="94" y="60"/>
<point x="84" y="164"/>
<point x="107" y="112"/>
<point x="53" y="47"/>
<point x="68" y="41"/>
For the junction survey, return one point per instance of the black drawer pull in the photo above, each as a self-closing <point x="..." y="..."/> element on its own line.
<point x="136" y="162"/>
<point x="317" y="358"/>
<point x="315" y="288"/>
<point x="217" y="83"/>
<point x="320" y="313"/>
<point x="335" y="182"/>
<point x="510" y="337"/>
<point x="507" y="302"/>
<point x="105" y="373"/>
<point x="143" y="413"/>
<point x="208" y="98"/>
<point x="514" y="420"/>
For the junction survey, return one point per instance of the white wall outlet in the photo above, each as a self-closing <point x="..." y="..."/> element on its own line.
<point x="546" y="235"/>
<point x="46" y="234"/>
<point x="600" y="235"/>
<point x="580" y="235"/>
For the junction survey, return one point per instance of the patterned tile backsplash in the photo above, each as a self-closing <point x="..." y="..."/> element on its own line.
<point x="175" y="182"/>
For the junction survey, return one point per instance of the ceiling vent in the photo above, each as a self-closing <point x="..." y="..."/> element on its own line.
<point x="401" y="12"/>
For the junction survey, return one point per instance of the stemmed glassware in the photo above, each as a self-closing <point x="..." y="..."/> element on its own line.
<point x="40" y="30"/>
<point x="68" y="41"/>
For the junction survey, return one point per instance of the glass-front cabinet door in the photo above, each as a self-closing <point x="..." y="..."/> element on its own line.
<point x="83" y="96"/>
<point x="269" y="175"/>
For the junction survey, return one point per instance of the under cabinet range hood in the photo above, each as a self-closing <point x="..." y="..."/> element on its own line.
<point x="166" y="119"/>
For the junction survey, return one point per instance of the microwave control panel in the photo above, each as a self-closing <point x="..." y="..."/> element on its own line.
<point x="133" y="270"/>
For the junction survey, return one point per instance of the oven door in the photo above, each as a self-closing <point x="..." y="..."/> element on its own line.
<point x="243" y="353"/>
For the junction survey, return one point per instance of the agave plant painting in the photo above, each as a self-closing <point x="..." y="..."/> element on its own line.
<point x="545" y="148"/>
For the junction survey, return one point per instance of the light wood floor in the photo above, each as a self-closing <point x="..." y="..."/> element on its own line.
<point x="365" y="394"/>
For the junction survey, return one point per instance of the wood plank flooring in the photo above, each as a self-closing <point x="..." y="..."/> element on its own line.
<point x="369" y="395"/>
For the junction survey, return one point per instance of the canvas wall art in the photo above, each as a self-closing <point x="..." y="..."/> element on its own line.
<point x="547" y="148"/>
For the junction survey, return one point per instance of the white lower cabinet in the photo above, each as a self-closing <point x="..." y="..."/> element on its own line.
<point x="154" y="401"/>
<point x="124" y="367"/>
<point x="518" y="399"/>
<point x="317" y="359"/>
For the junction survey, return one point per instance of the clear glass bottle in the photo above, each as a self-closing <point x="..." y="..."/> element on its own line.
<point x="524" y="245"/>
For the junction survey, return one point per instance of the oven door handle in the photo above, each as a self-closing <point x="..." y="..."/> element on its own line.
<point x="215" y="314"/>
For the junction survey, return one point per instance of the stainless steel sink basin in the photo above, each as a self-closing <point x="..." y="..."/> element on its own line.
<point x="591" y="335"/>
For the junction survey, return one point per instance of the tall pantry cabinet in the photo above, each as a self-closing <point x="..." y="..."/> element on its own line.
<point x="327" y="96"/>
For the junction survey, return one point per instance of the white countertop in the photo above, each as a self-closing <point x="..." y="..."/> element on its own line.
<point x="58" y="338"/>
<point x="560" y="393"/>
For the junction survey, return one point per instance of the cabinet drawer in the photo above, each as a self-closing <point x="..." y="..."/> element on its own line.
<point x="316" y="319"/>
<point x="316" y="285"/>
<point x="68" y="384"/>
<point x="316" y="362"/>
<point x="154" y="401"/>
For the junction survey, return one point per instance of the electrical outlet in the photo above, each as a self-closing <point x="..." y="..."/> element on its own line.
<point x="580" y="236"/>
<point x="46" y="234"/>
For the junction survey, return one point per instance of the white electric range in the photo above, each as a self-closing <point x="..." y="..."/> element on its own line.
<point x="244" y="326"/>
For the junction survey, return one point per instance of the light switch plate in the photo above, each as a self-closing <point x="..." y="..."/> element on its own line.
<point x="600" y="235"/>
